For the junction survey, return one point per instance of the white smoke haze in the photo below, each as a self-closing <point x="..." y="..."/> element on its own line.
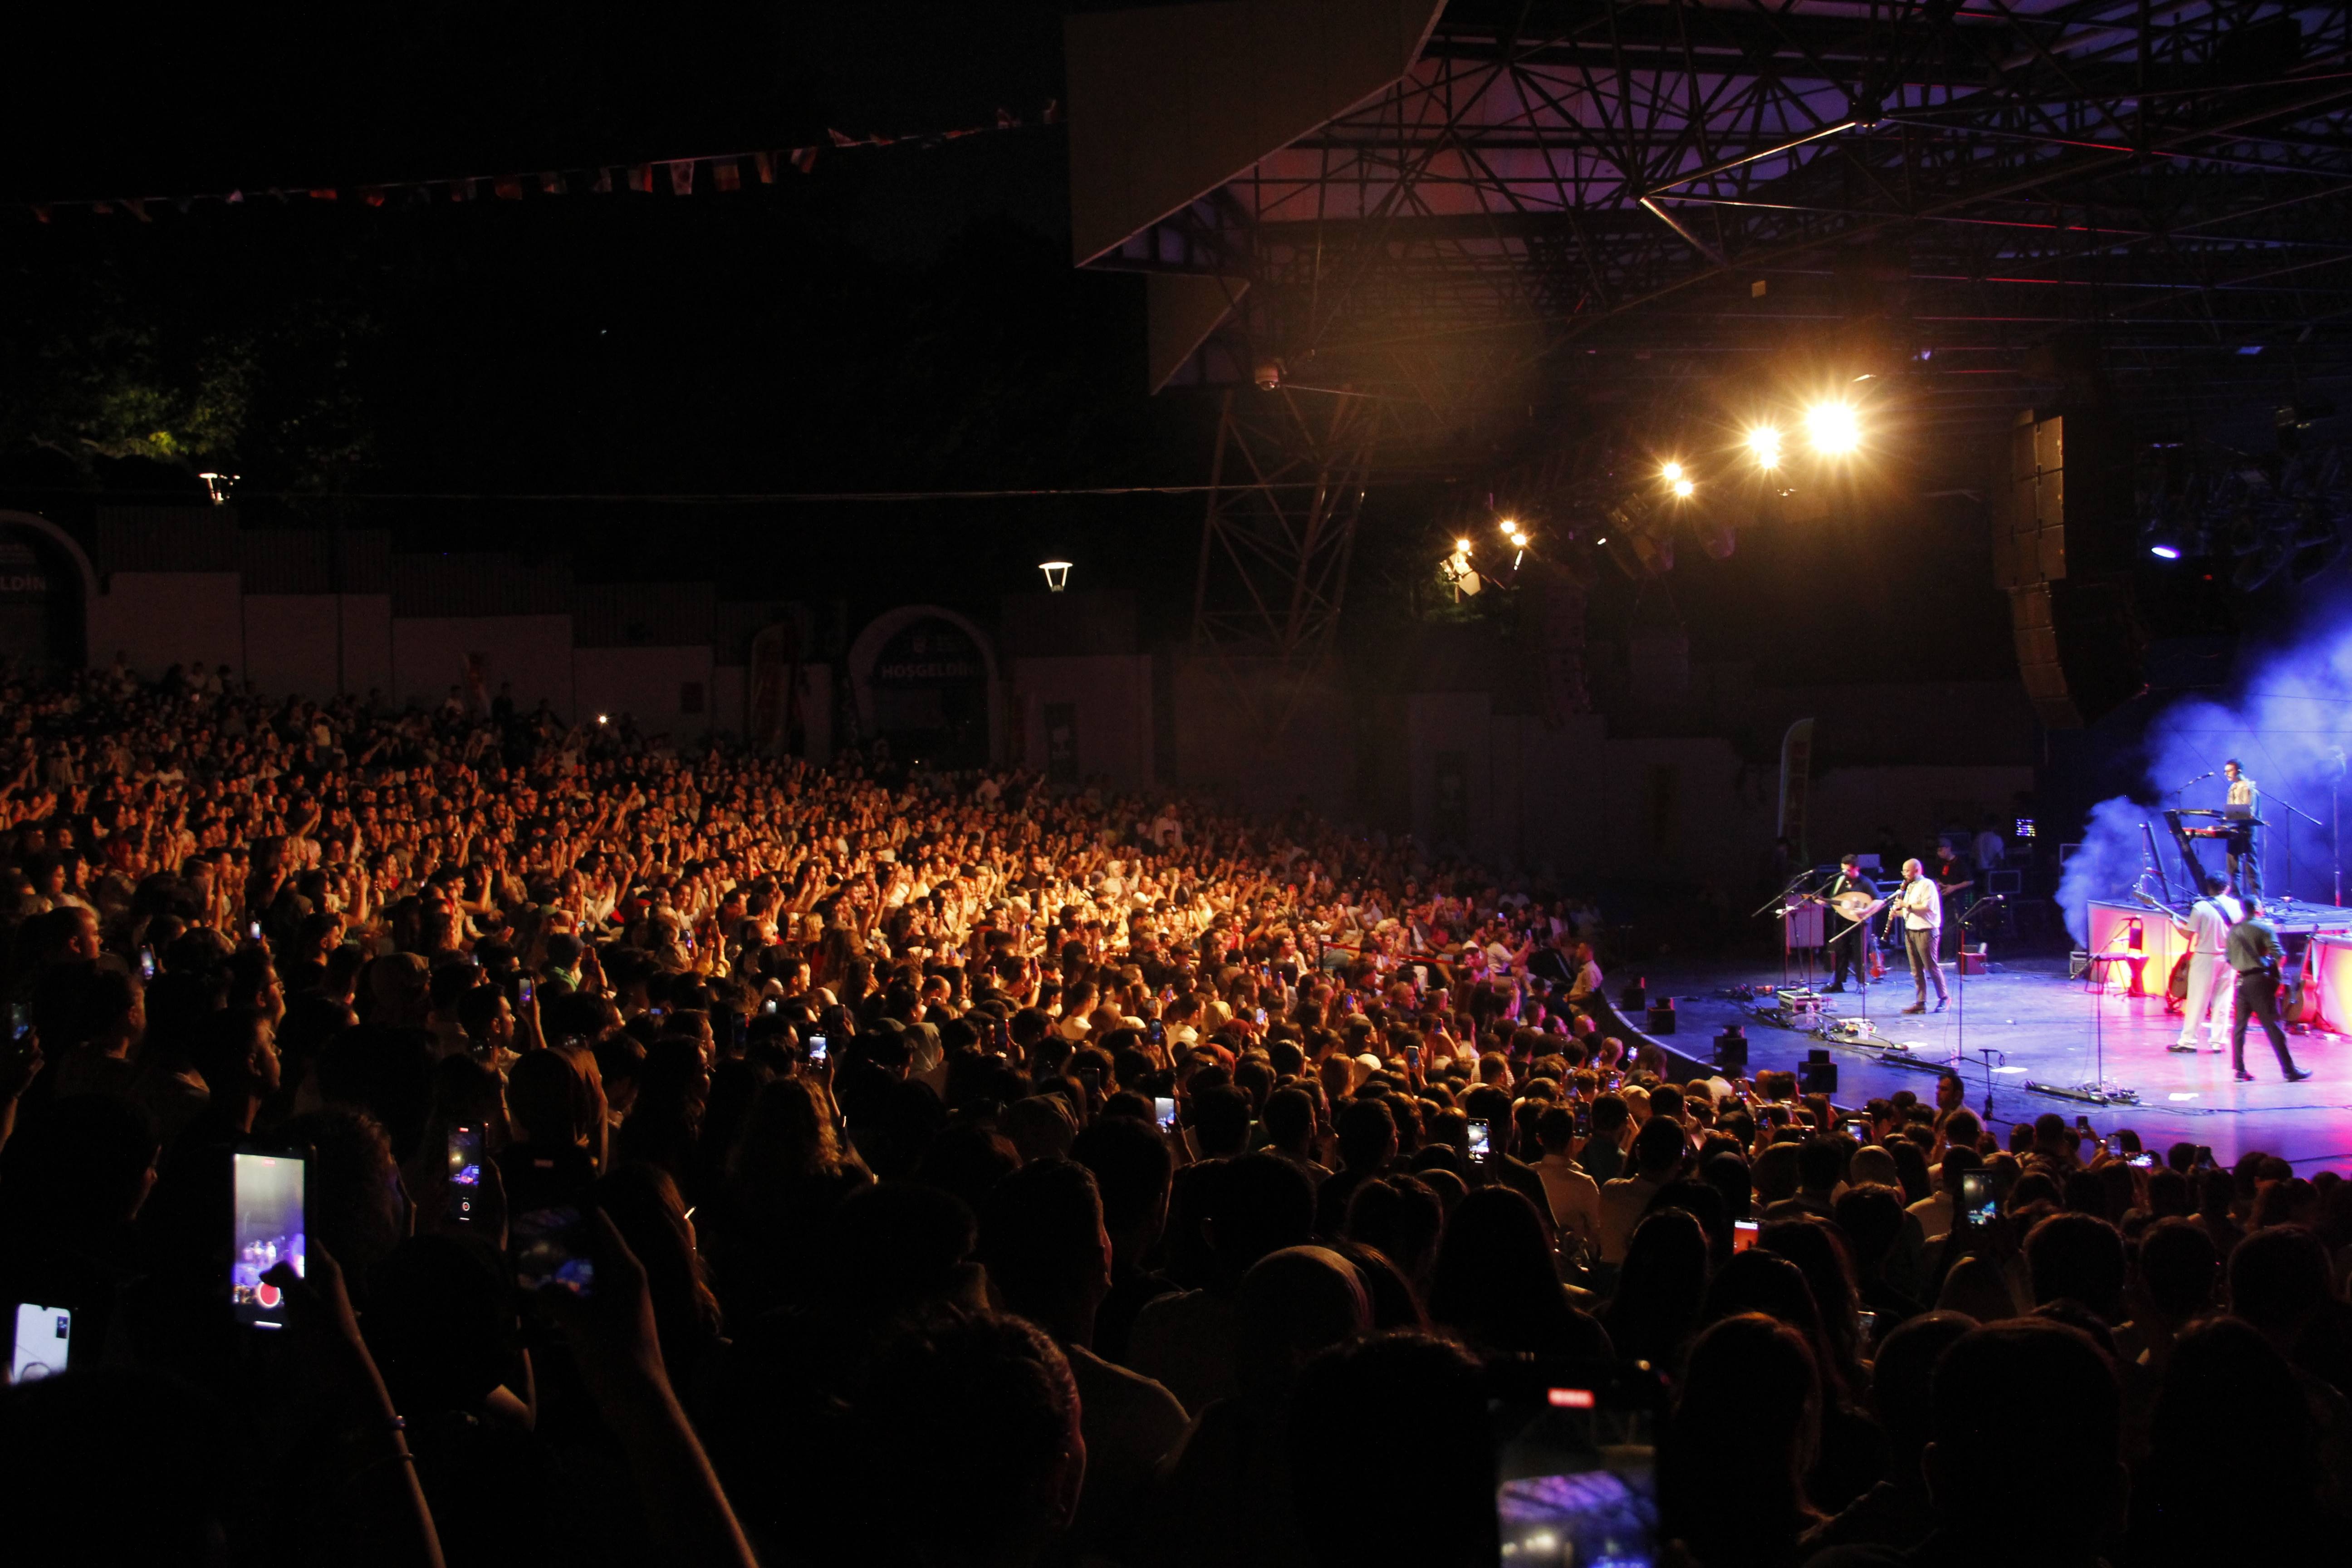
<point x="2288" y="726"/>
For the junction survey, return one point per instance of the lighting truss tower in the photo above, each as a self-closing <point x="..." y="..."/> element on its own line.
<point x="1287" y="488"/>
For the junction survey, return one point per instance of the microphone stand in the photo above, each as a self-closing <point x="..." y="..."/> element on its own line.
<point x="2289" y="829"/>
<point x="1960" y="975"/>
<point x="1779" y="905"/>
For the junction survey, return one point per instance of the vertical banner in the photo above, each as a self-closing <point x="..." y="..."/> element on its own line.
<point x="764" y="725"/>
<point x="1796" y="786"/>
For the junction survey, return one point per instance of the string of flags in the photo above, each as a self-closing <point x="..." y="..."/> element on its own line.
<point x="720" y="173"/>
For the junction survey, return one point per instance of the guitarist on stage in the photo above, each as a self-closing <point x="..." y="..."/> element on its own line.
<point x="1850" y="940"/>
<point x="2255" y="955"/>
<point x="2208" y="931"/>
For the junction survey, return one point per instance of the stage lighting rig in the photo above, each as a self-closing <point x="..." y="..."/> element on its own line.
<point x="1835" y="428"/>
<point x="1764" y="443"/>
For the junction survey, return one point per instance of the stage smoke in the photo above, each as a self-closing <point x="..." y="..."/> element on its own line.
<point x="2288" y="725"/>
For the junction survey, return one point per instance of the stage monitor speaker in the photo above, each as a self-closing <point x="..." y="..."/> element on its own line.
<point x="1817" y="1074"/>
<point x="1662" y="1016"/>
<point x="1731" y="1048"/>
<point x="1973" y="960"/>
<point x="1634" y="997"/>
<point x="2064" y="537"/>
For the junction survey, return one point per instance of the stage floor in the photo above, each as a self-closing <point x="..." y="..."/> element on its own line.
<point x="2049" y="1029"/>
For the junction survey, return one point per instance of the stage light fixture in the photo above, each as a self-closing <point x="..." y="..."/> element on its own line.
<point x="1672" y="472"/>
<point x="1683" y="489"/>
<point x="1833" y="428"/>
<point x="1057" y="574"/>
<point x="1764" y="441"/>
<point x="2164" y="552"/>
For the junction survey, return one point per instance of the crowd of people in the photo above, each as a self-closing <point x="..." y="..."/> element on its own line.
<point x="721" y="1159"/>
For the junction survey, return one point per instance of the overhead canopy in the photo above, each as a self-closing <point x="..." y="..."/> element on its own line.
<point x="1989" y="202"/>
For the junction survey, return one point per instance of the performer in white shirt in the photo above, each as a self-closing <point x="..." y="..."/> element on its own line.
<point x="2244" y="804"/>
<point x="1921" y="904"/>
<point x="2208" y="931"/>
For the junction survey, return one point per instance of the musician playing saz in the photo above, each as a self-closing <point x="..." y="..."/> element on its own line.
<point x="1849" y="939"/>
<point x="2208" y="931"/>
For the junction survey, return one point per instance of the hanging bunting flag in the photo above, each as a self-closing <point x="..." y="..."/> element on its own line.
<point x="726" y="174"/>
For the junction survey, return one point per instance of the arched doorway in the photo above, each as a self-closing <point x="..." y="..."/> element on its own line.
<point x="46" y="582"/>
<point x="925" y="679"/>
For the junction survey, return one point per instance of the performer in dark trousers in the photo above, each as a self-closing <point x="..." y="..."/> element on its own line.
<point x="2244" y="804"/>
<point x="1920" y="905"/>
<point x="1850" y="940"/>
<point x="2255" y="955"/>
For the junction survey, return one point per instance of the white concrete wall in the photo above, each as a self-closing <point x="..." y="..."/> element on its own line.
<point x="1112" y="693"/>
<point x="163" y="618"/>
<point x="531" y="653"/>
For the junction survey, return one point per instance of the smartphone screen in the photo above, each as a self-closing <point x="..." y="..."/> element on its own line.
<point x="550" y="1248"/>
<point x="1577" y="1483"/>
<point x="1584" y="1121"/>
<point x="266" y="1202"/>
<point x="1412" y="1056"/>
<point x="253" y="930"/>
<point x="464" y="1172"/>
<point x="1480" y="1141"/>
<point x="43" y="1337"/>
<point x="2143" y="1160"/>
<point x="1163" y="1110"/>
<point x="146" y="963"/>
<point x="1261" y="1017"/>
<point x="819" y="1049"/>
<point x="1858" y="1130"/>
<point x="20" y="1024"/>
<point x="1743" y="1234"/>
<point x="1978" y="1199"/>
<point x="768" y="1006"/>
<point x="526" y="991"/>
<point x="1156" y="1032"/>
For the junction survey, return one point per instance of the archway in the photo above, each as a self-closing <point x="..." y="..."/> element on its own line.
<point x="47" y="584"/>
<point x="925" y="679"/>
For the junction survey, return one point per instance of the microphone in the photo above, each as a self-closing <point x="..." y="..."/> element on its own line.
<point x="2201" y="778"/>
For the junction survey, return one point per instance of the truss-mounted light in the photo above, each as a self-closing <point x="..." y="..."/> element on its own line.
<point x="1835" y="428"/>
<point x="1057" y="574"/>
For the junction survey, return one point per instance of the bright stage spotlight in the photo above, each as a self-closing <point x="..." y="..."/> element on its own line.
<point x="1673" y="473"/>
<point x="2164" y="552"/>
<point x="1764" y="441"/>
<point x="1683" y="489"/>
<point x="1833" y="428"/>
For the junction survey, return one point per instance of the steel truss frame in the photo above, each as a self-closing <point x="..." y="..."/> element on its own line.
<point x="2168" y="181"/>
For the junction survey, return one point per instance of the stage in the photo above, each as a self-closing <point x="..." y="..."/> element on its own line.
<point x="2043" y="1027"/>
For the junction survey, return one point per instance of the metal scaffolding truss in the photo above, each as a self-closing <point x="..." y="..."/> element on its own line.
<point x="1698" y="184"/>
<point x="1287" y="486"/>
